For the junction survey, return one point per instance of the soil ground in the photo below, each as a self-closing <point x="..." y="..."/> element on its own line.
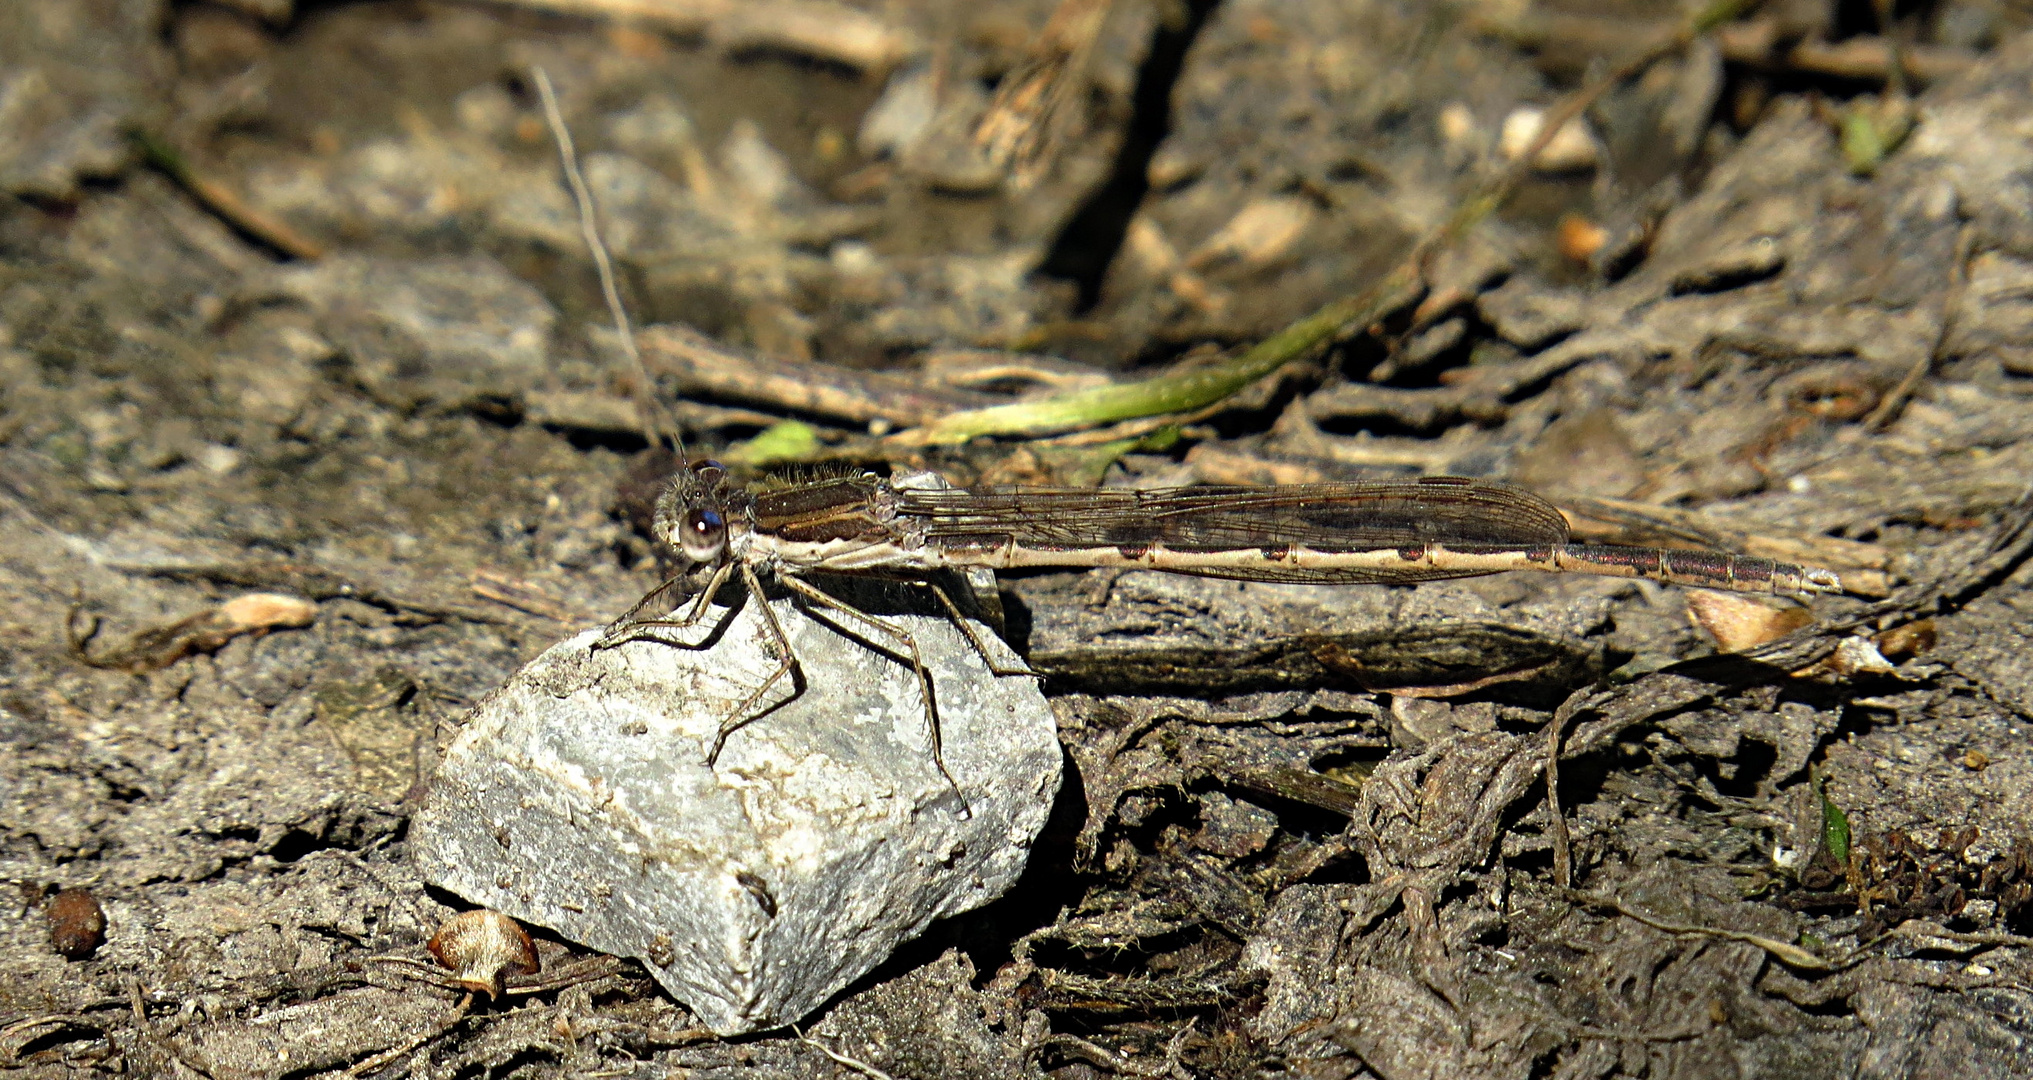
<point x="293" y="301"/>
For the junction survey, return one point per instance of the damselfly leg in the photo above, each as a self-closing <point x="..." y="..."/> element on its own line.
<point x="966" y="627"/>
<point x="814" y="596"/>
<point x="632" y="627"/>
<point x="746" y="713"/>
<point x="629" y="626"/>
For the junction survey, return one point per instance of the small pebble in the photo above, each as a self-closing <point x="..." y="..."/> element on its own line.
<point x="77" y="924"/>
<point x="1259" y="234"/>
<point x="1456" y="123"/>
<point x="1579" y="238"/>
<point x="217" y="460"/>
<point x="1572" y="148"/>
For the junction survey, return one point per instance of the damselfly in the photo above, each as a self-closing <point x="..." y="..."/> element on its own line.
<point x="916" y="526"/>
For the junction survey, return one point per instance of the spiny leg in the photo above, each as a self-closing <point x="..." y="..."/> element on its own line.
<point x="741" y="716"/>
<point x="626" y="627"/>
<point x="616" y="630"/>
<point x="966" y="627"/>
<point x="701" y="602"/>
<point x="813" y="594"/>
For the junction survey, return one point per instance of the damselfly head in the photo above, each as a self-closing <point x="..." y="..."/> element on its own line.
<point x="693" y="513"/>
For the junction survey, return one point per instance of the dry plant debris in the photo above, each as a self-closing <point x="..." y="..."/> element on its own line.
<point x="207" y="631"/>
<point x="483" y="949"/>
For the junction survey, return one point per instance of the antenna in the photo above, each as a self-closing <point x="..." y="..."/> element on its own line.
<point x="647" y="412"/>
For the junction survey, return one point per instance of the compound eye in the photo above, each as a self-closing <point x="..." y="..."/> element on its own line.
<point x="703" y="536"/>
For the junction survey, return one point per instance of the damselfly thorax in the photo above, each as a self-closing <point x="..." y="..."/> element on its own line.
<point x="916" y="526"/>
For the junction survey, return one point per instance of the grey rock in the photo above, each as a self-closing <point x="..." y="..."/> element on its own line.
<point x="899" y="118"/>
<point x="760" y="171"/>
<point x="1530" y="316"/>
<point x="656" y="130"/>
<point x="651" y="219"/>
<point x="1996" y="312"/>
<point x="438" y="329"/>
<point x="579" y="798"/>
<point x="74" y="75"/>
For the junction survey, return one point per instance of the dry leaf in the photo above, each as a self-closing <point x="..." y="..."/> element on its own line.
<point x="1741" y="622"/>
<point x="204" y="632"/>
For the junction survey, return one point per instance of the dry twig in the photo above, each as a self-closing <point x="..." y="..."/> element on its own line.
<point x="1785" y="952"/>
<point x="589" y="227"/>
<point x="821" y="29"/>
<point x="703" y="366"/>
<point x="227" y="203"/>
<point x="1756" y="44"/>
<point x="1563" y="849"/>
<point x="207" y="631"/>
<point x="838" y="1058"/>
<point x="510" y="591"/>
